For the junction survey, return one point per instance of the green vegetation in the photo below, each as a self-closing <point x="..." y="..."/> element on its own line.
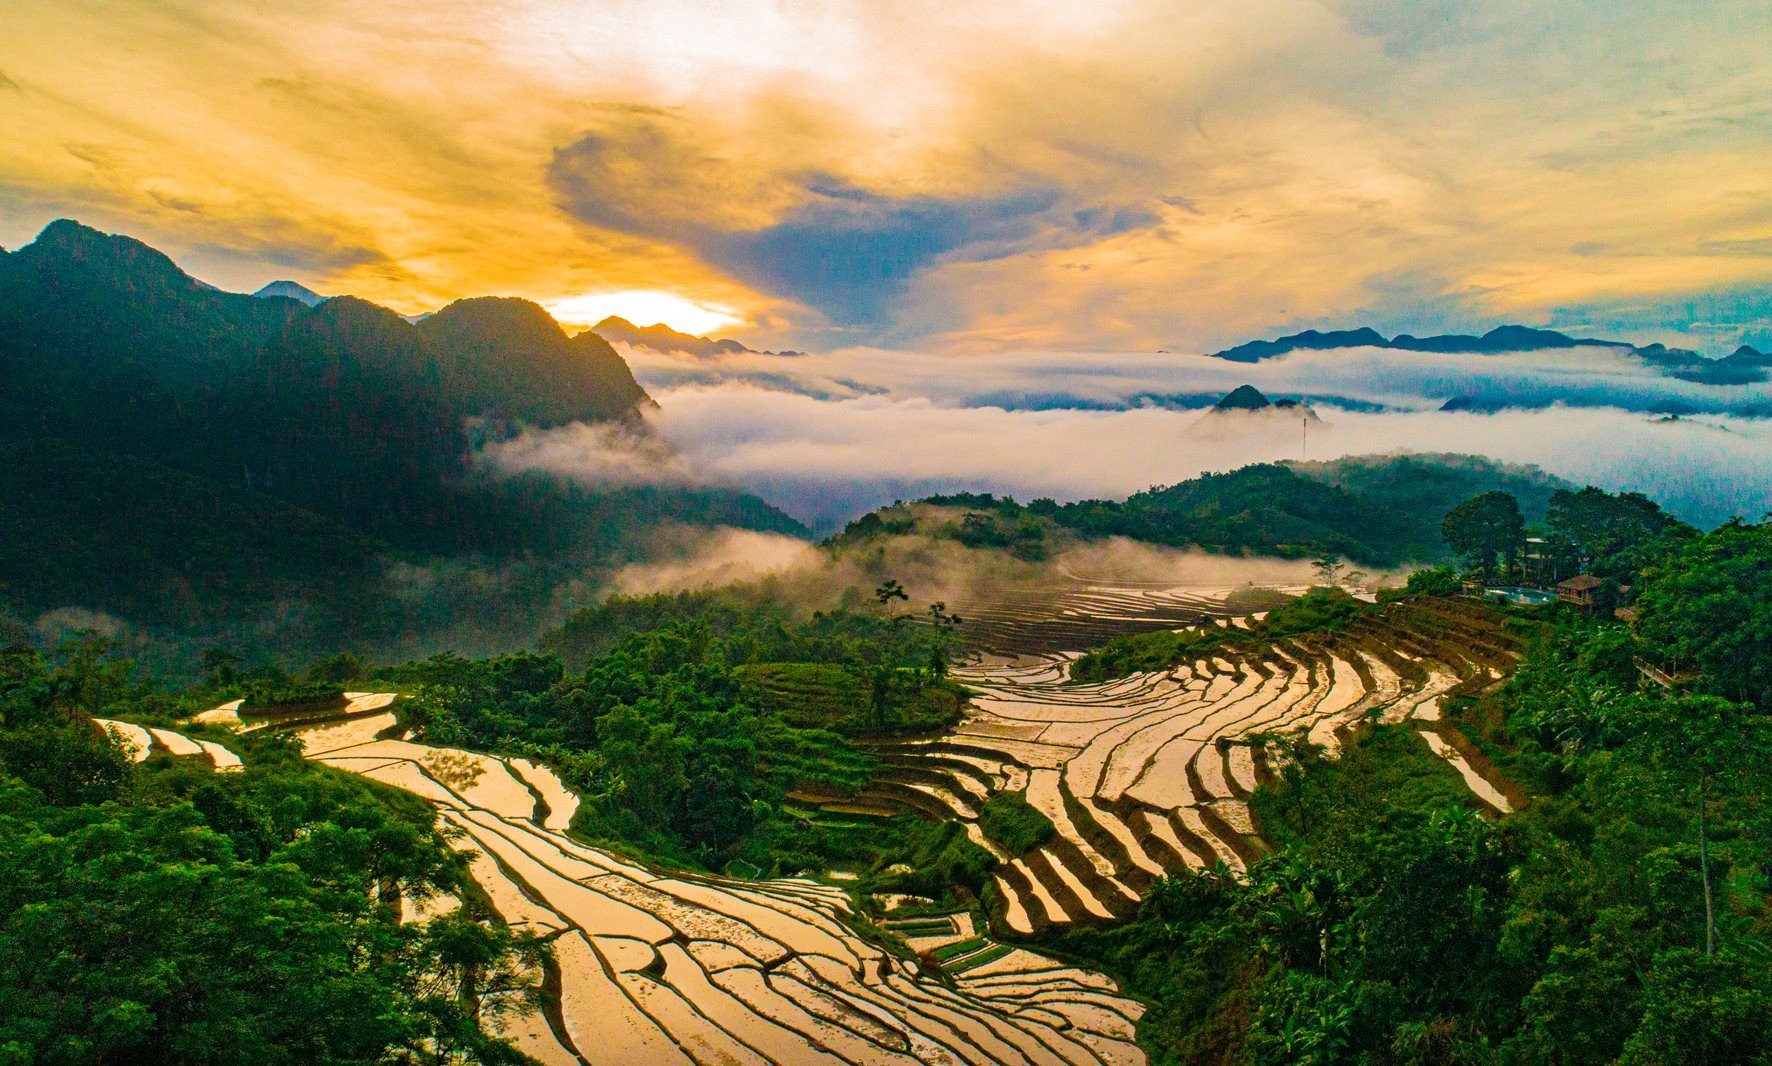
<point x="1620" y="916"/>
<point x="1616" y="535"/>
<point x="167" y="913"/>
<point x="990" y="954"/>
<point x="958" y="948"/>
<point x="1013" y="822"/>
<point x="922" y="928"/>
<point x="835" y="697"/>
<point x="1434" y="581"/>
<point x="701" y="713"/>
<point x="1707" y="609"/>
<point x="1378" y="511"/>
<point x="1488" y="531"/>
<point x="166" y="548"/>
<point x="1006" y="527"/>
<point x="276" y="695"/>
<point x="1146" y="652"/>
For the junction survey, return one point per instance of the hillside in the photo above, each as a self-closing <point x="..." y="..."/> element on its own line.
<point x="1375" y="510"/>
<point x="189" y="459"/>
<point x="344" y="407"/>
<point x="142" y="541"/>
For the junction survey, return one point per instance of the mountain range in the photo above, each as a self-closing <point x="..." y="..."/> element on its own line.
<point x="662" y="338"/>
<point x="1745" y="365"/>
<point x="277" y="433"/>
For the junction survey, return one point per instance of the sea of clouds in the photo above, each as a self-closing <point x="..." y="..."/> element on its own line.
<point x="829" y="436"/>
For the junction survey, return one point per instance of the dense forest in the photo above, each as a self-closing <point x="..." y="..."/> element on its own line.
<point x="1392" y="920"/>
<point x="1380" y="511"/>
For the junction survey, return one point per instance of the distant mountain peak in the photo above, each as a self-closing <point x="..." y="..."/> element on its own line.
<point x="662" y="338"/>
<point x="293" y="290"/>
<point x="1247" y="399"/>
<point x="1243" y="398"/>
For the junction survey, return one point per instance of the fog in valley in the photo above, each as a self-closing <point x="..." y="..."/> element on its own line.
<point x="829" y="437"/>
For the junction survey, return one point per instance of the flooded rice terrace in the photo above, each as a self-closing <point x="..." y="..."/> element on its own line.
<point x="1140" y="776"/>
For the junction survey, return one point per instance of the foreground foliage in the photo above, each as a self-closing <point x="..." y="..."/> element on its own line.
<point x="167" y="913"/>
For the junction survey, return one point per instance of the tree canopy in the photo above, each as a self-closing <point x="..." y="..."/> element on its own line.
<point x="1488" y="530"/>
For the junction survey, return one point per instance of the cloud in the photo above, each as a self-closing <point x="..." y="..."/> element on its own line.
<point x="814" y="237"/>
<point x="685" y="558"/>
<point x="829" y="435"/>
<point x="597" y="455"/>
<point x="967" y="176"/>
<point x="1346" y="377"/>
<point x="828" y="460"/>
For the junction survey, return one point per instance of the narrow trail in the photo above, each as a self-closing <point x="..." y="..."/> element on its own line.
<point x="660" y="966"/>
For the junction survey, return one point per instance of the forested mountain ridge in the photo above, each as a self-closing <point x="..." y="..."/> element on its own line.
<point x="514" y="356"/>
<point x="181" y="456"/>
<point x="1375" y="510"/>
<point x="345" y="407"/>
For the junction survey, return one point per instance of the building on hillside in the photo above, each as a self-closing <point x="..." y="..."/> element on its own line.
<point x="1582" y="590"/>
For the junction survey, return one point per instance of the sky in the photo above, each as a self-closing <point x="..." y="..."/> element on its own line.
<point x="952" y="177"/>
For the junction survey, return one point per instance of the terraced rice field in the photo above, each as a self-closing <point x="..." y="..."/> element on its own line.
<point x="1140" y="776"/>
<point x="1051" y="619"/>
<point x="659" y="966"/>
<point x="1151" y="773"/>
<point x="141" y="742"/>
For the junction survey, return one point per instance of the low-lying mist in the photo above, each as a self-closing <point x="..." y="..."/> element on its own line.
<point x="828" y="460"/>
<point x="931" y="568"/>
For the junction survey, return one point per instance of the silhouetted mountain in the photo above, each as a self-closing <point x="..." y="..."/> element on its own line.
<point x="1310" y="339"/>
<point x="344" y="408"/>
<point x="227" y="453"/>
<point x="1676" y="362"/>
<point x="520" y="365"/>
<point x="1743" y="366"/>
<point x="662" y="338"/>
<point x="1242" y="398"/>
<point x="1247" y="399"/>
<point x="293" y="290"/>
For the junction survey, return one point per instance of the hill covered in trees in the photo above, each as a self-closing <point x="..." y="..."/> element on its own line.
<point x="253" y="468"/>
<point x="1376" y="510"/>
<point x="343" y="408"/>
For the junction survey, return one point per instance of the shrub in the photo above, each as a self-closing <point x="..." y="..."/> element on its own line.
<point x="1013" y="822"/>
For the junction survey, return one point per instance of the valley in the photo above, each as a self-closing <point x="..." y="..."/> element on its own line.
<point x="1140" y="776"/>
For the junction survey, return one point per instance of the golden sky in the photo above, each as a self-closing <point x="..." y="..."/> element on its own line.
<point x="951" y="175"/>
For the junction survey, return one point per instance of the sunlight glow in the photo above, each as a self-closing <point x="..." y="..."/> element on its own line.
<point x="642" y="307"/>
